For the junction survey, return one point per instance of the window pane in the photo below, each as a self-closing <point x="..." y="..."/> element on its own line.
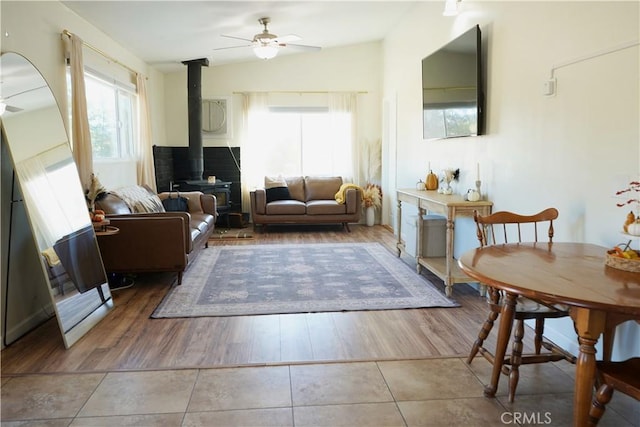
<point x="283" y="145"/>
<point x="461" y="121"/>
<point x="126" y="115"/>
<point x="317" y="156"/>
<point x="294" y="142"/>
<point x="434" y="123"/>
<point x="101" y="109"/>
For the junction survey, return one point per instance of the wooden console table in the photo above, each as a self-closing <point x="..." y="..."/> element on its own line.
<point x="450" y="206"/>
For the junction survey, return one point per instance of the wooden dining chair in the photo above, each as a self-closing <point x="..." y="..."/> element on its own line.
<point x="620" y="376"/>
<point x="508" y="227"/>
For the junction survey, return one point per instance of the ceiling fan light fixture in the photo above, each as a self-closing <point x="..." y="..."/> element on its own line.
<point x="265" y="51"/>
<point x="451" y="7"/>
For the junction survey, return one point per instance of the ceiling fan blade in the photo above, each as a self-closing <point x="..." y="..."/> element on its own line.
<point x="287" y="39"/>
<point x="233" y="47"/>
<point x="237" y="38"/>
<point x="303" y="46"/>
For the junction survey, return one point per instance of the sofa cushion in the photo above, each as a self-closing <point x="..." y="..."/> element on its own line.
<point x="286" y="207"/>
<point x="325" y="207"/>
<point x="199" y="224"/>
<point x="296" y="188"/>
<point x="203" y="217"/>
<point x="277" y="193"/>
<point x="322" y="188"/>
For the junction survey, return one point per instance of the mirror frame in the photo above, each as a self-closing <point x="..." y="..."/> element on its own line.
<point x="42" y="152"/>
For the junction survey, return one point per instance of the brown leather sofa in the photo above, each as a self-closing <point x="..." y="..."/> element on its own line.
<point x="311" y="201"/>
<point x="155" y="241"/>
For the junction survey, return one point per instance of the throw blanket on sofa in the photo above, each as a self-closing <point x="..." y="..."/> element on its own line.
<point x="138" y="199"/>
<point x="340" y="198"/>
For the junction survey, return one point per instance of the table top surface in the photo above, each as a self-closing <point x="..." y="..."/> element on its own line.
<point x="444" y="199"/>
<point x="569" y="273"/>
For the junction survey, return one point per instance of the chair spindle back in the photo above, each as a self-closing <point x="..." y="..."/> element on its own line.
<point x="511" y="225"/>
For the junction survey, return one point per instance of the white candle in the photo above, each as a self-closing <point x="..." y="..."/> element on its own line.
<point x="429" y="167"/>
<point x="478" y="171"/>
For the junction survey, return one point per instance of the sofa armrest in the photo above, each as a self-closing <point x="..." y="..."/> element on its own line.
<point x="209" y="204"/>
<point x="259" y="201"/>
<point x="353" y="200"/>
<point x="197" y="201"/>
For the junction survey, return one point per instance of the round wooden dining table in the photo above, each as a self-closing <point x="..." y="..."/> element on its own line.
<point x="574" y="274"/>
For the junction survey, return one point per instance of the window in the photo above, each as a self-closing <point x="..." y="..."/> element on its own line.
<point x="306" y="141"/>
<point x="111" y="109"/>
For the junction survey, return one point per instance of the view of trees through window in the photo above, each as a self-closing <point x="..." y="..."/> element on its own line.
<point x="449" y="122"/>
<point x="111" y="111"/>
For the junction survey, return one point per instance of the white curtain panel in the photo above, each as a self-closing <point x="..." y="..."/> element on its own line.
<point x="255" y="129"/>
<point x="343" y="115"/>
<point x="144" y="150"/>
<point x="80" y="135"/>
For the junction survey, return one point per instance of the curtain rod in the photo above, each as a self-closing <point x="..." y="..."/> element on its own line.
<point x="95" y="49"/>
<point x="301" y="92"/>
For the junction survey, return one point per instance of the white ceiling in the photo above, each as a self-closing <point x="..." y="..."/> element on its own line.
<point x="164" y="33"/>
<point x="22" y="87"/>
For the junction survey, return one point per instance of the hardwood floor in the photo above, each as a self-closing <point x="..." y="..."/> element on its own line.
<point x="129" y="340"/>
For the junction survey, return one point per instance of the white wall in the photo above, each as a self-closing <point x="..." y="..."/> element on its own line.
<point x="571" y="151"/>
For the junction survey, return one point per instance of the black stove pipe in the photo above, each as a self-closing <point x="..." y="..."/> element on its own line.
<point x="194" y="98"/>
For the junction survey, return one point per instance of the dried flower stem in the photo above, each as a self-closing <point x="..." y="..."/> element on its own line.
<point x="634" y="186"/>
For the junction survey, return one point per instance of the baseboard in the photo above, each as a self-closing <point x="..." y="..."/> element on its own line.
<point x="28" y="324"/>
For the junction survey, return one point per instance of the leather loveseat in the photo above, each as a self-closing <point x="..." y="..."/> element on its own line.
<point x="150" y="239"/>
<point x="305" y="200"/>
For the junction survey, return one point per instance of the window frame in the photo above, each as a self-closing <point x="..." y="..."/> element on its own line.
<point x="125" y="150"/>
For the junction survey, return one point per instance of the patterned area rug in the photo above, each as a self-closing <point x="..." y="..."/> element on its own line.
<point x="277" y="279"/>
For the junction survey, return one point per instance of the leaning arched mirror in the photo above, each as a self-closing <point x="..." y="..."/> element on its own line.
<point x="48" y="181"/>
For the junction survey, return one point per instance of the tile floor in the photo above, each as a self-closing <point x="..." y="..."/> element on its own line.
<point x="430" y="392"/>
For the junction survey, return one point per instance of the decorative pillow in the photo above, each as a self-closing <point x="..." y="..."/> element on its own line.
<point x="274" y="181"/>
<point x="277" y="193"/>
<point x="296" y="187"/>
<point x="276" y="188"/>
<point x="322" y="187"/>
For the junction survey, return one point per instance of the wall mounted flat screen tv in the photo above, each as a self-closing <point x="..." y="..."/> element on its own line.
<point x="452" y="90"/>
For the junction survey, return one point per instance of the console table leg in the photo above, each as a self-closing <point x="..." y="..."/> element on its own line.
<point x="399" y="226"/>
<point x="448" y="290"/>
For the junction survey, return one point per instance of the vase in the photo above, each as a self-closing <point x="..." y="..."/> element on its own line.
<point x="370" y="216"/>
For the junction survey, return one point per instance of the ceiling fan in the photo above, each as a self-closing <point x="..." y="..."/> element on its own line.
<point x="266" y="45"/>
<point x="20" y="96"/>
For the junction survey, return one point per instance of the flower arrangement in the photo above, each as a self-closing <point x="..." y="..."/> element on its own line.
<point x="632" y="223"/>
<point x="448" y="175"/>
<point x="372" y="196"/>
<point x="95" y="192"/>
<point x="622" y="256"/>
